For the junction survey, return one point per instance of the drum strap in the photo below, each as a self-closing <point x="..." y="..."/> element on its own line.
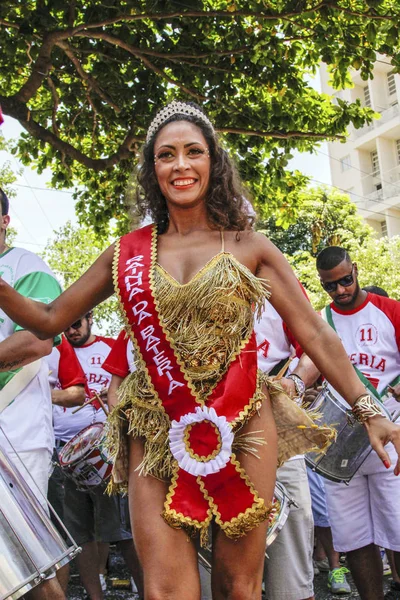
<point x="18" y="383"/>
<point x="326" y="314"/>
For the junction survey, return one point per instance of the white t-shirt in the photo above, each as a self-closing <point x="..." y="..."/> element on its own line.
<point x="91" y="357"/>
<point x="371" y="337"/>
<point x="274" y="341"/>
<point x="27" y="421"/>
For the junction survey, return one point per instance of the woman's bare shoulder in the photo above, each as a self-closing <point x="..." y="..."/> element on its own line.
<point x="258" y="242"/>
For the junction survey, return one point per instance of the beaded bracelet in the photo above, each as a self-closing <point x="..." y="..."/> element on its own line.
<point x="365" y="407"/>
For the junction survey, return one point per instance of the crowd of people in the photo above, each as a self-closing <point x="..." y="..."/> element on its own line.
<point x="207" y="387"/>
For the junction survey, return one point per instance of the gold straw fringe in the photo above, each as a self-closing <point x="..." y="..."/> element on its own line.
<point x="209" y="332"/>
<point x="299" y="431"/>
<point x="176" y="521"/>
<point x="247" y="442"/>
<point x="240" y="526"/>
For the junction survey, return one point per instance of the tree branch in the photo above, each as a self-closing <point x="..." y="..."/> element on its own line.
<point x="174" y="55"/>
<point x="198" y="14"/>
<point x="280" y="134"/>
<point x="8" y="24"/>
<point x="19" y="111"/>
<point x="56" y="101"/>
<point x="136" y="52"/>
<point x="40" y="70"/>
<point x="91" y="81"/>
<point x="225" y="14"/>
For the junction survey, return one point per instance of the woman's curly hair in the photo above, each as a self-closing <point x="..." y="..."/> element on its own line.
<point x="226" y="202"/>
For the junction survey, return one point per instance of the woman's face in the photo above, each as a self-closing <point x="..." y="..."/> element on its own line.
<point x="182" y="164"/>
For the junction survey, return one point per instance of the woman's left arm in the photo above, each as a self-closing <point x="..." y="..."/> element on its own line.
<point x="319" y="340"/>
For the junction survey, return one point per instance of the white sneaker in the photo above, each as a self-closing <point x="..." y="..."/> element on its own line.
<point x="322" y="565"/>
<point x="103" y="582"/>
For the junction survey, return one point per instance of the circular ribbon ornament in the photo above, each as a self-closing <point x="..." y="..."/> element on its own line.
<point x="215" y="437"/>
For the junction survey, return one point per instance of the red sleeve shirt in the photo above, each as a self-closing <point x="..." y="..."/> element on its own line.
<point x="116" y="362"/>
<point x="70" y="371"/>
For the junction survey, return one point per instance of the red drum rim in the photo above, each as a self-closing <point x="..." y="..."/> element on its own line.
<point x="68" y="445"/>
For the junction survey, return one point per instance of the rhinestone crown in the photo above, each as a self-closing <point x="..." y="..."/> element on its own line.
<point x="175" y="108"/>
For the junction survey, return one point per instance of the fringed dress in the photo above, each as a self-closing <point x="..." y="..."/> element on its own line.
<point x="208" y="322"/>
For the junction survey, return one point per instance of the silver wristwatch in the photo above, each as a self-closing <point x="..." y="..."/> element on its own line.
<point x="299" y="384"/>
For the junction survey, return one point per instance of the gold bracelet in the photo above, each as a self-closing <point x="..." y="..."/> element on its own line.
<point x="365" y="407"/>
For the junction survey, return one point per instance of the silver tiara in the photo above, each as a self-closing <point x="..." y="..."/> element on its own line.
<point x="175" y="108"/>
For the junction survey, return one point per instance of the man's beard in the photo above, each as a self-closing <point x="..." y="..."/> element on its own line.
<point x="349" y="303"/>
<point x="81" y="342"/>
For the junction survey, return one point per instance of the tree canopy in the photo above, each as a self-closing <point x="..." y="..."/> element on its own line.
<point x="70" y="254"/>
<point x="327" y="217"/>
<point x="85" y="77"/>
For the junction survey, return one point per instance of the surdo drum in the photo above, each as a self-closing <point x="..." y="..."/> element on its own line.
<point x="344" y="456"/>
<point x="31" y="548"/>
<point x="84" y="459"/>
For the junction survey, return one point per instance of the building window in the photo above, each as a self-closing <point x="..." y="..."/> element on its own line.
<point x="345" y="162"/>
<point x="375" y="163"/>
<point x="367" y="96"/>
<point x="391" y="84"/>
<point x="384" y="230"/>
<point x="398" y="150"/>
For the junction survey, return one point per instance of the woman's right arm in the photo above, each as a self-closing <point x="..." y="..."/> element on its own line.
<point x="48" y="320"/>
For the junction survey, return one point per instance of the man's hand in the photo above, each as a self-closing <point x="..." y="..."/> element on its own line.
<point x="395" y="391"/>
<point x="288" y="386"/>
<point x="103" y="393"/>
<point x="381" y="431"/>
<point x="70" y="397"/>
<point x="311" y="394"/>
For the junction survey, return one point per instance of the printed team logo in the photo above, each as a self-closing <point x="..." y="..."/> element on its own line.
<point x="96" y="360"/>
<point x="367" y="334"/>
<point x="263" y="348"/>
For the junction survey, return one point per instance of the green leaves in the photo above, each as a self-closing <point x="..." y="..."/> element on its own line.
<point x="249" y="62"/>
<point x="72" y="252"/>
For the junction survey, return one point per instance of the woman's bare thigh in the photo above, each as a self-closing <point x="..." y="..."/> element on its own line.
<point x="168" y="557"/>
<point x="238" y="565"/>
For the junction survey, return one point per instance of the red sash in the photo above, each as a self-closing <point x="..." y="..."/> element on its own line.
<point x="208" y="479"/>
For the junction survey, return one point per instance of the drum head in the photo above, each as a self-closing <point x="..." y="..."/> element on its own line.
<point x="82" y="443"/>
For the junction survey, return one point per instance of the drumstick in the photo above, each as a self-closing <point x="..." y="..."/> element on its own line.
<point x="283" y="370"/>
<point x="83" y="405"/>
<point x="103" y="406"/>
<point x="95" y="397"/>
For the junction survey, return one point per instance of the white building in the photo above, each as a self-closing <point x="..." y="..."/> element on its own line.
<point x="367" y="165"/>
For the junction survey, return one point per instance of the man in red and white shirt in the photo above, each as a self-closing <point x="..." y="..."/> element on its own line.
<point x="92" y="516"/>
<point x="366" y="513"/>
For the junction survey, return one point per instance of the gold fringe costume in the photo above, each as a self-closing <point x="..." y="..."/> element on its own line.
<point x="208" y="320"/>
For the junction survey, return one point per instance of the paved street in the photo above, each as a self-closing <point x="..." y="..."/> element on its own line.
<point x="117" y="571"/>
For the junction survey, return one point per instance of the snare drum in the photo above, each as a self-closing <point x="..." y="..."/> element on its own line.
<point x="344" y="456"/>
<point x="31" y="548"/>
<point x="277" y="520"/>
<point x="84" y="459"/>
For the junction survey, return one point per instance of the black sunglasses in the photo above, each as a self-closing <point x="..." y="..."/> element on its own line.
<point x="78" y="323"/>
<point x="346" y="281"/>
